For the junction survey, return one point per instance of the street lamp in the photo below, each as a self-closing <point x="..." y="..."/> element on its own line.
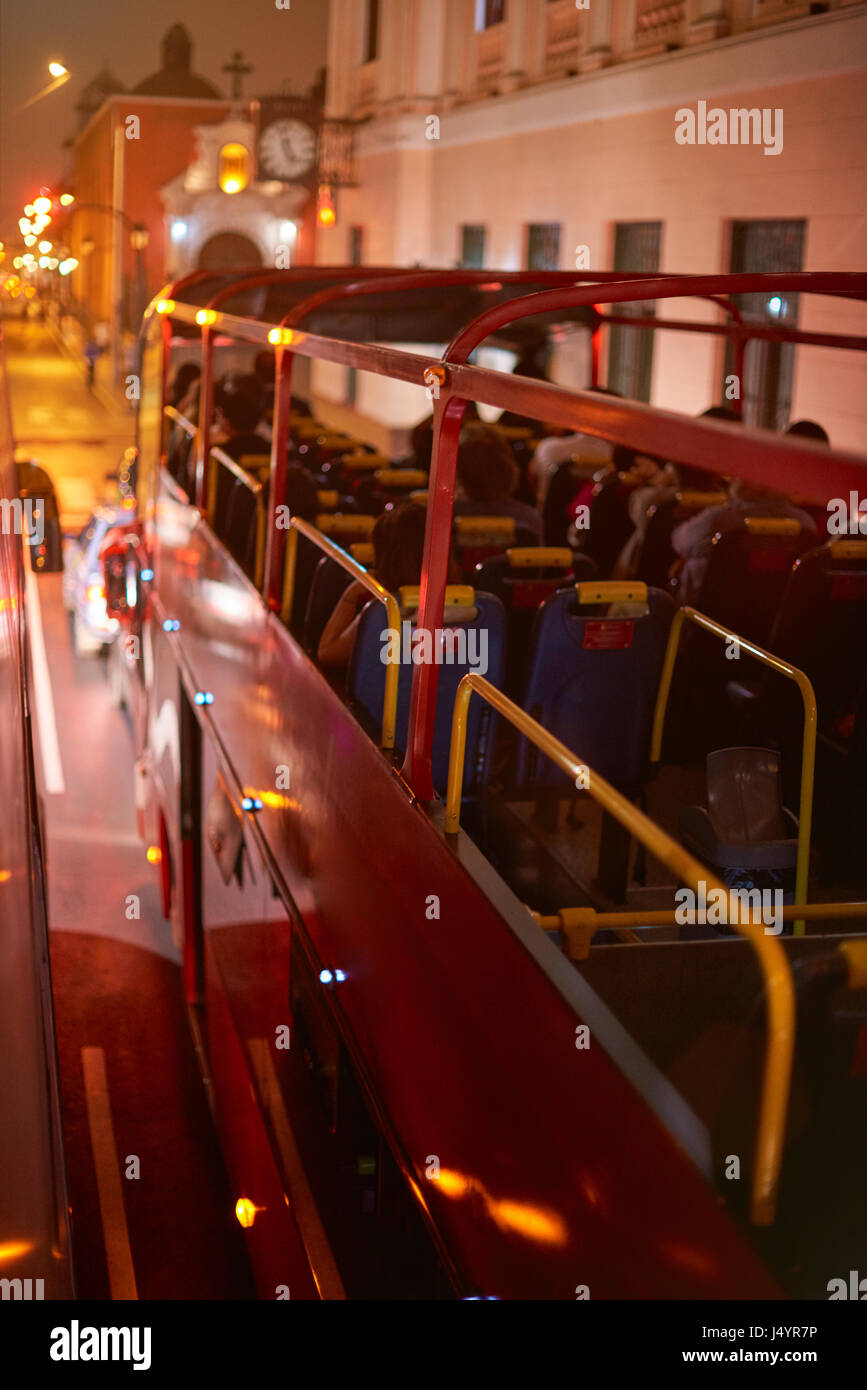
<point x="57" y="70"/>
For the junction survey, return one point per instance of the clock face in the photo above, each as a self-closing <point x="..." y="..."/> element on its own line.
<point x="287" y="149"/>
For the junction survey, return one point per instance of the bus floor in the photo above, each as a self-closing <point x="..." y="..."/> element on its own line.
<point x="152" y="1211"/>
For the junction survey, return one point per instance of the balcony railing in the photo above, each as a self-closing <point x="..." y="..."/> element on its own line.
<point x="562" y="37"/>
<point x="659" y="26"/>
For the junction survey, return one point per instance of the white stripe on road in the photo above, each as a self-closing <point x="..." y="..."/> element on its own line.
<point x="46" y="724"/>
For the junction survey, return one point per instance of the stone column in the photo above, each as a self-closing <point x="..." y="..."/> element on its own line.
<point x="706" y="20"/>
<point x="597" y="46"/>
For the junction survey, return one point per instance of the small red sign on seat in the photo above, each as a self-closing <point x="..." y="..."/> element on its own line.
<point x="608" y="636"/>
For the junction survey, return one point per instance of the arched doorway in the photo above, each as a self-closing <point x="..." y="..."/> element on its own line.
<point x="227" y="251"/>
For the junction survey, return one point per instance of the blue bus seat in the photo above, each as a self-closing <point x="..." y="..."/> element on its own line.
<point x="596" y="657"/>
<point x="466" y="611"/>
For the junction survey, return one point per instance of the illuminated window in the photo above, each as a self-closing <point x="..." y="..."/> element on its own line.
<point x="234" y="173"/>
<point x="371" y="35"/>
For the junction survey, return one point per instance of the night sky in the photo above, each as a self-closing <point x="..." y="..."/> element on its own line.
<point x="282" y="45"/>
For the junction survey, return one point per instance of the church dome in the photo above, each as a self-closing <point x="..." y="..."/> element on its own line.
<point x="175" y="79"/>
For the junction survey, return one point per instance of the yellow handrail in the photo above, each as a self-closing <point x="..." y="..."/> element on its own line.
<point x="586" y="921"/>
<point x="808" y="757"/>
<point x="392" y="669"/>
<point x="772" y="961"/>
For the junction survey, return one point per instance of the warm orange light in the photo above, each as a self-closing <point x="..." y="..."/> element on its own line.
<point x="207" y="316"/>
<point x="234" y="167"/>
<point x="14" y="1249"/>
<point x="128" y="504"/>
<point x="165" y="306"/>
<point x="66" y="199"/>
<point x="42" y="205"/>
<point x="535" y="1223"/>
<point x="5" y="875"/>
<point x="94" y="592"/>
<point x="281" y="336"/>
<point x="245" y="1211"/>
<point x="154" y="854"/>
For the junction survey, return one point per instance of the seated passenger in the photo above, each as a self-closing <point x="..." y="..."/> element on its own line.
<point x="238" y="402"/>
<point x="659" y="483"/>
<point x="187" y="374"/>
<point x="559" y="448"/>
<point x="422" y="437"/>
<point x="691" y="538"/>
<point x="529" y="364"/>
<point x="487" y="476"/>
<point x="398" y="545"/>
<point x="302" y="495"/>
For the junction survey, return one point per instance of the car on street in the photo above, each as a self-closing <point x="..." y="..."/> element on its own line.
<point x="84" y="581"/>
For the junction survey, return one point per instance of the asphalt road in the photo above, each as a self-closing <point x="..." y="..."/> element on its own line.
<point x="162" y="1226"/>
<point x="76" y="435"/>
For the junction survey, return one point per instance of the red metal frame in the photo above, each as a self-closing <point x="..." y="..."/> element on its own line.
<point x="565" y="1141"/>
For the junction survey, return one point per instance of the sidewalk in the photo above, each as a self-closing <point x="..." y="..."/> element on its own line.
<point x="69" y="335"/>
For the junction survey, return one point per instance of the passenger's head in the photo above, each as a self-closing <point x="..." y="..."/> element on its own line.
<point x="809" y="429"/>
<point x="187" y="373"/>
<point x="721" y="412"/>
<point x="640" y="467"/>
<point x="398" y="546"/>
<point x="239" y="402"/>
<point x="264" y="366"/>
<point x="486" y="469"/>
<point x="302" y="496"/>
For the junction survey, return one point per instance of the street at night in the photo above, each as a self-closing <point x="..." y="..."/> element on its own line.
<point x="433" y="664"/>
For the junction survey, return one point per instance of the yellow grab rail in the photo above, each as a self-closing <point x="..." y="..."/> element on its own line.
<point x="779" y="1048"/>
<point x="392" y="668"/>
<point x="808" y="756"/>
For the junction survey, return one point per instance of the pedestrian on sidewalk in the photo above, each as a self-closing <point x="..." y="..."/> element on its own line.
<point x="92" y="351"/>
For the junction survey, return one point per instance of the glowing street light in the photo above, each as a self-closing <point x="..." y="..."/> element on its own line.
<point x="45" y="247"/>
<point x="30" y="240"/>
<point x="66" y="267"/>
<point x="42" y="204"/>
<point x="57" y="70"/>
<point x="66" y="199"/>
<point x="24" y="224"/>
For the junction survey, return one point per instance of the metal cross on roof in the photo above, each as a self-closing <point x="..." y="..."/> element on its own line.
<point x="238" y="68"/>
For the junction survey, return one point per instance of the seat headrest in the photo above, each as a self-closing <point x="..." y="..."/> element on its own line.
<point x="475" y="528"/>
<point x="611" y="591"/>
<point x="362" y="551"/>
<point x="744" y="798"/>
<point x="359" y="461"/>
<point x="344" y="523"/>
<point x="457" y="596"/>
<point x="772" y="526"/>
<point x="420" y="497"/>
<point x="400" y="477"/>
<point x="514" y="431"/>
<point x="328" y="498"/>
<point x="525" y="557"/>
<point x="255" y="463"/>
<point x="694" y="500"/>
<point x="848" y="550"/>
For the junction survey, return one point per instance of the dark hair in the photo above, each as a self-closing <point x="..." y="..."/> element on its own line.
<point x="240" y="400"/>
<point x="623" y="458"/>
<point x="721" y="412"/>
<point x="398" y="546"/>
<point x="264" y="366"/>
<point x="422" y="436"/>
<point x="302" y="495"/>
<point x="486" y="469"/>
<point x="809" y="429"/>
<point x="187" y="373"/>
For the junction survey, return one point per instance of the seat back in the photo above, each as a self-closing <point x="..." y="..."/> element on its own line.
<point x="477" y="538"/>
<point x="565" y="483"/>
<point x="388" y="487"/>
<point x="595" y="661"/>
<point x="747" y="573"/>
<point x="473" y="638"/>
<point x="821" y="626"/>
<point x="656" y="556"/>
<point x="610" y="524"/>
<point x="329" y="582"/>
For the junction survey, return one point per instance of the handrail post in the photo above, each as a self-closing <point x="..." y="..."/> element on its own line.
<point x="779" y="1049"/>
<point x="808" y="746"/>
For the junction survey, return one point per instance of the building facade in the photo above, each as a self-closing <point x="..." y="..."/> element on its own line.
<point x="546" y="133"/>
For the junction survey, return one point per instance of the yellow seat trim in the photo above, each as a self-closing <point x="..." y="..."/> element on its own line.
<point x="400" y="477"/>
<point x="848" y="550"/>
<point x="362" y="551"/>
<point x="344" y="523"/>
<point x="524" y="557"/>
<point x="611" y="591"/>
<point x="328" y="498"/>
<point x="472" y="527"/>
<point x="772" y="526"/>
<point x="457" y="596"/>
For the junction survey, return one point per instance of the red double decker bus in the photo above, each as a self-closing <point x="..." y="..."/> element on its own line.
<point x="460" y="1038"/>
